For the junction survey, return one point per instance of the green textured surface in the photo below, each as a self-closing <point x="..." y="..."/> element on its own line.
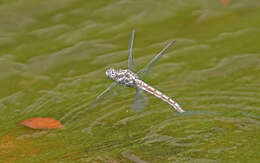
<point x="53" y="56"/>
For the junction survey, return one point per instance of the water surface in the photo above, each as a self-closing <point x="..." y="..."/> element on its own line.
<point x="53" y="56"/>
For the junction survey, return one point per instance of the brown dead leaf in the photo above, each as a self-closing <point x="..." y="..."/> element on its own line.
<point x="41" y="123"/>
<point x="225" y="2"/>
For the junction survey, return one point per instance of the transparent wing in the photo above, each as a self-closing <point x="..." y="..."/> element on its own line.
<point x="131" y="65"/>
<point x="140" y="100"/>
<point x="144" y="72"/>
<point x="103" y="94"/>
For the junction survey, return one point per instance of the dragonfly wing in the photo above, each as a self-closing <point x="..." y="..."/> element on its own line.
<point x="144" y="72"/>
<point x="103" y="94"/>
<point x="140" y="100"/>
<point x="131" y="65"/>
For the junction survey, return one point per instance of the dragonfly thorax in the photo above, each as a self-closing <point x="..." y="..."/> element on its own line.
<point x="122" y="77"/>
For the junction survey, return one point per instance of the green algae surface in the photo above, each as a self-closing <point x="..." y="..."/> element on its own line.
<point x="53" y="56"/>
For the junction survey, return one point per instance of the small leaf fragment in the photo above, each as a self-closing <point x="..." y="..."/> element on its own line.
<point x="41" y="123"/>
<point x="225" y="2"/>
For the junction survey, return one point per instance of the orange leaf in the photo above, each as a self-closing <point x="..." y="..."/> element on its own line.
<point x="41" y="123"/>
<point x="225" y="2"/>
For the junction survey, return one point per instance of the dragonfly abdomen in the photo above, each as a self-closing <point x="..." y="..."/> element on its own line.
<point x="151" y="90"/>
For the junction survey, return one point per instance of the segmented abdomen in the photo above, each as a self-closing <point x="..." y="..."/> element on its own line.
<point x="158" y="94"/>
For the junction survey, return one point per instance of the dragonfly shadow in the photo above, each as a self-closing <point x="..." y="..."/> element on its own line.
<point x="196" y="112"/>
<point x="249" y="115"/>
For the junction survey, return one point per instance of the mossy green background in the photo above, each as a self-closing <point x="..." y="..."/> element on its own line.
<point x="53" y="56"/>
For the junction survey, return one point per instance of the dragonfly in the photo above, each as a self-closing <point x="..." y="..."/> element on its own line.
<point x="128" y="78"/>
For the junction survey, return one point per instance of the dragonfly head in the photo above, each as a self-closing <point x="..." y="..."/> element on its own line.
<point x="111" y="73"/>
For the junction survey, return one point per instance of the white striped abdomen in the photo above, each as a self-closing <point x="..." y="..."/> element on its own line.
<point x="158" y="94"/>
